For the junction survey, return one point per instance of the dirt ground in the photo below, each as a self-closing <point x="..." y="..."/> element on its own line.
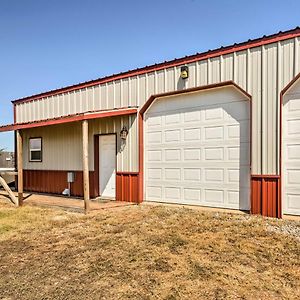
<point x="146" y="252"/>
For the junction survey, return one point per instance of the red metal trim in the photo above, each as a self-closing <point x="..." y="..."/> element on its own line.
<point x="264" y="176"/>
<point x="69" y="119"/>
<point x="191" y="90"/>
<point x="176" y="62"/>
<point x="127" y="186"/>
<point x="55" y="181"/>
<point x="127" y="173"/>
<point x="141" y="157"/>
<point x="195" y="89"/>
<point x="265" y="195"/>
<point x="96" y="166"/>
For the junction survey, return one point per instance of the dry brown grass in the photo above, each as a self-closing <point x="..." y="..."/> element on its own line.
<point x="146" y="252"/>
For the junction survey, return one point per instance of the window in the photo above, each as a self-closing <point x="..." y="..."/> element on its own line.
<point x="35" y="149"/>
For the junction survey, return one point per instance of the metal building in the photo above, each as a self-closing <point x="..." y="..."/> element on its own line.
<point x="219" y="129"/>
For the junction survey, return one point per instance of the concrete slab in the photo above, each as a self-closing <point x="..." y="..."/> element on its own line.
<point x="68" y="203"/>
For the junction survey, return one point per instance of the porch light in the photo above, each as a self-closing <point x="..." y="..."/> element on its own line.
<point x="184" y="72"/>
<point x="124" y="133"/>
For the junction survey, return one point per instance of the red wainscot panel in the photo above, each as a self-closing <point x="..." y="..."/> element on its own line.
<point x="127" y="186"/>
<point x="265" y="195"/>
<point x="54" y="182"/>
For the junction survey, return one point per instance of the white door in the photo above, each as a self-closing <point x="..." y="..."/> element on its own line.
<point x="197" y="149"/>
<point x="107" y="165"/>
<point x="291" y="153"/>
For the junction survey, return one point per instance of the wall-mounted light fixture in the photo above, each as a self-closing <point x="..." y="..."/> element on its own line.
<point x="123" y="133"/>
<point x="184" y="72"/>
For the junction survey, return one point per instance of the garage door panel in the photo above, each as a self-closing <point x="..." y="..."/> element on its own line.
<point x="192" y="174"/>
<point x="154" y="137"/>
<point x="155" y="120"/>
<point x="293" y="202"/>
<point x="154" y="173"/>
<point x="192" y="134"/>
<point x="293" y="127"/>
<point x="294" y="104"/>
<point x="293" y="176"/>
<point x="291" y="155"/>
<point x="214" y="154"/>
<point x="154" y="192"/>
<point x="192" y="154"/>
<point x="154" y="155"/>
<point x="293" y="152"/>
<point x="172" y="119"/>
<point x="214" y="175"/>
<point x="203" y="153"/>
<point x="210" y="196"/>
<point x="193" y="195"/>
<point x="214" y="133"/>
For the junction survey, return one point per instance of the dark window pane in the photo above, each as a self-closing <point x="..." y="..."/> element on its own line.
<point x="36" y="155"/>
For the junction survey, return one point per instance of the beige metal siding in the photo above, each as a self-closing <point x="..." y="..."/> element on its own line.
<point x="62" y="144"/>
<point x="261" y="71"/>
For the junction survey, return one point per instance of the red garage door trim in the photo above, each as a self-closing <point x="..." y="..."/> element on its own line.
<point x="154" y="97"/>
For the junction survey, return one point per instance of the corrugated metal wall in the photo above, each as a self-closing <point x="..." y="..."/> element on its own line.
<point x="62" y="144"/>
<point x="262" y="71"/>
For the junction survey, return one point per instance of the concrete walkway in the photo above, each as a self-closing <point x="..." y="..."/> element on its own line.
<point x="74" y="204"/>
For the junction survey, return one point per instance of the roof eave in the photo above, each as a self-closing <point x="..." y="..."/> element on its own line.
<point x="167" y="64"/>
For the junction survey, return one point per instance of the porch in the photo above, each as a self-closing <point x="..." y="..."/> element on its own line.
<point x="70" y="156"/>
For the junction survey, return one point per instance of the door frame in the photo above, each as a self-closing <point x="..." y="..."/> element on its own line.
<point x="280" y="198"/>
<point x="141" y="120"/>
<point x="97" y="161"/>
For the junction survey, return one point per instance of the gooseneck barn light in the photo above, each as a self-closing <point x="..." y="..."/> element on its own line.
<point x="123" y="133"/>
<point x="184" y="72"/>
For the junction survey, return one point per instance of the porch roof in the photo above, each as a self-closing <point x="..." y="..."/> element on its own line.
<point x="70" y="118"/>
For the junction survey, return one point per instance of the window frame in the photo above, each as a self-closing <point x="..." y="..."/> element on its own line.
<point x="40" y="150"/>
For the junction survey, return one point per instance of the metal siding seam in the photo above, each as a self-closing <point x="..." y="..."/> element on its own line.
<point x="93" y="105"/>
<point x="100" y="97"/>
<point x="114" y="94"/>
<point x="197" y="74"/>
<point x="209" y="71"/>
<point x="221" y="68"/>
<point x="165" y="80"/>
<point x="129" y="92"/>
<point x="263" y="168"/>
<point x="234" y="71"/>
<point x="155" y="82"/>
<point x="130" y="143"/>
<point x="138" y="91"/>
<point x="147" y="84"/>
<point x="80" y="101"/>
<point x="121" y="92"/>
<point x="122" y="152"/>
<point x="248" y="66"/>
<point x="279" y="88"/>
<point x="295" y="56"/>
<point x="106" y="95"/>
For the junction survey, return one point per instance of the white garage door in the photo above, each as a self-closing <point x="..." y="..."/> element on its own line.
<point x="197" y="149"/>
<point x="291" y="153"/>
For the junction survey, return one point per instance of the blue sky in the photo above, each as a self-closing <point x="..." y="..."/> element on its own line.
<point x="49" y="44"/>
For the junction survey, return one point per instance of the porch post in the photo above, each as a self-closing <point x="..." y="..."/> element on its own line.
<point x="85" y="160"/>
<point x="20" y="167"/>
